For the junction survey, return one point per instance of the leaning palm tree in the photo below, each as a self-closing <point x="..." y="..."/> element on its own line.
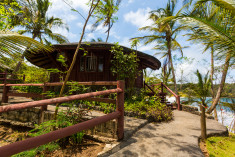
<point x="201" y="91"/>
<point x="12" y="44"/>
<point x="164" y="34"/>
<point x="218" y="29"/>
<point x="104" y="13"/>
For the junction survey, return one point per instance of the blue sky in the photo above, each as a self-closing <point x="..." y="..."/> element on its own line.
<point x="132" y="15"/>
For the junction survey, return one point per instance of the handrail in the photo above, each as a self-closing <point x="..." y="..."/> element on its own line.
<point x="33" y="142"/>
<point x="169" y="90"/>
<point x="163" y="85"/>
<point x="56" y="100"/>
<point x="149" y="88"/>
<point x="30" y="143"/>
<point x="101" y="83"/>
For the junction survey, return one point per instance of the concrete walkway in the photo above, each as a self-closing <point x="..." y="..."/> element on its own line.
<point x="178" y="138"/>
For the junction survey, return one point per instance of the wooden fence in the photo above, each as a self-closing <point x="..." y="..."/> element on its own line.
<point x="161" y="94"/>
<point x="33" y="142"/>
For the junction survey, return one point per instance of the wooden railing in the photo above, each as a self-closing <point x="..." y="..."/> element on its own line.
<point x="5" y="77"/>
<point x="33" y="142"/>
<point x="162" y="86"/>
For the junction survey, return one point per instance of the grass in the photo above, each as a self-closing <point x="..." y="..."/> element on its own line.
<point x="221" y="146"/>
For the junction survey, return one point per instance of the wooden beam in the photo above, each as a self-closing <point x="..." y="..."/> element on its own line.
<point x="31" y="95"/>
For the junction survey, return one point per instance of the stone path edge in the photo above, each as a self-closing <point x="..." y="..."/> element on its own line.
<point x="113" y="148"/>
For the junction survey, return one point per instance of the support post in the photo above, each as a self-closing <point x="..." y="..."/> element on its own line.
<point x="120" y="108"/>
<point x="24" y="78"/>
<point x="43" y="108"/>
<point x="5" y="89"/>
<point x="178" y="103"/>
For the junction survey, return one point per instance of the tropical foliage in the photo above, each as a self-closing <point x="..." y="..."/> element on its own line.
<point x="104" y="13"/>
<point x="164" y="34"/>
<point x="39" y="24"/>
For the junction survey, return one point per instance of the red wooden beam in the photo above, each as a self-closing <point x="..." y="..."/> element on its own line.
<point x="103" y="83"/>
<point x="26" y="84"/>
<point x="33" y="142"/>
<point x="56" y="100"/>
<point x="169" y="90"/>
<point x="32" y="95"/>
<point x="120" y="108"/>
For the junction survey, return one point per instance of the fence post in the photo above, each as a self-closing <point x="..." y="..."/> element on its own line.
<point x="24" y="78"/>
<point x="5" y="89"/>
<point x="120" y="108"/>
<point x="178" y="103"/>
<point x="43" y="108"/>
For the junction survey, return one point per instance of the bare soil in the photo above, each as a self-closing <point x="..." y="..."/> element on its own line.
<point x="204" y="149"/>
<point x="89" y="148"/>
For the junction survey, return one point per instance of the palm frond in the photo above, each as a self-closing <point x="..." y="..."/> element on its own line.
<point x="12" y="44"/>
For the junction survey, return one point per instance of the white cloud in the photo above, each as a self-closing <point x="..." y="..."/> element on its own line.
<point x="60" y="5"/>
<point x="79" y="24"/>
<point x="130" y="1"/>
<point x="139" y="18"/>
<point x="65" y="33"/>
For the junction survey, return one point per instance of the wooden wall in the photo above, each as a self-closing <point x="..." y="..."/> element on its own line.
<point x="106" y="75"/>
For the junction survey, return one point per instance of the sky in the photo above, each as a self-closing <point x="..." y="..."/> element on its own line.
<point x="132" y="15"/>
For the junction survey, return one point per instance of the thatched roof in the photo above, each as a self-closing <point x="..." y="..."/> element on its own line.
<point x="44" y="60"/>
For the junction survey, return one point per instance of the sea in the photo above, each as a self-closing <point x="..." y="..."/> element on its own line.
<point x="225" y="115"/>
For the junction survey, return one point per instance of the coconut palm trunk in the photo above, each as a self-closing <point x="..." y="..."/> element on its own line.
<point x="212" y="86"/>
<point x="203" y="121"/>
<point x="108" y="32"/>
<point x="168" y="38"/>
<point x="222" y="82"/>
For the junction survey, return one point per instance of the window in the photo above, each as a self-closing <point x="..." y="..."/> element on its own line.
<point x="101" y="64"/>
<point x="91" y="63"/>
<point x="82" y="64"/>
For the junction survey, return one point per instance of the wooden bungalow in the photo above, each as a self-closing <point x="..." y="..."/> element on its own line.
<point x="94" y="66"/>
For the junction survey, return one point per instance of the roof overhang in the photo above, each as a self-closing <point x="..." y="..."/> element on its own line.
<point x="44" y="60"/>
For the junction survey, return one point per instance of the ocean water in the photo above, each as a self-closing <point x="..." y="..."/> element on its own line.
<point x="225" y="114"/>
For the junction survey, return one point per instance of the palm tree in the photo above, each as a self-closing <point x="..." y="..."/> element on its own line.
<point x="218" y="29"/>
<point x="201" y="91"/>
<point x="36" y="22"/>
<point x="164" y="33"/>
<point x="104" y="13"/>
<point x="12" y="44"/>
<point x="99" y="39"/>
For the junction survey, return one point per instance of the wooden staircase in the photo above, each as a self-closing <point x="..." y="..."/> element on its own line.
<point x="162" y="96"/>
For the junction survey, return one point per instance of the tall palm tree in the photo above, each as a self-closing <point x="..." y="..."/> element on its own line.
<point x="201" y="91"/>
<point x="164" y="33"/>
<point x="217" y="29"/>
<point x="36" y="22"/>
<point x="39" y="24"/>
<point x="12" y="44"/>
<point x="104" y="13"/>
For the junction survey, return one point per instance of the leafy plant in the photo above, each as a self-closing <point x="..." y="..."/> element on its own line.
<point x="124" y="66"/>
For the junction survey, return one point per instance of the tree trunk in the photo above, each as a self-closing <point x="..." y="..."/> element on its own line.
<point x="212" y="85"/>
<point x="75" y="54"/>
<point x="18" y="64"/>
<point x="108" y="33"/>
<point x="221" y="86"/>
<point x="171" y="62"/>
<point x="203" y="122"/>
